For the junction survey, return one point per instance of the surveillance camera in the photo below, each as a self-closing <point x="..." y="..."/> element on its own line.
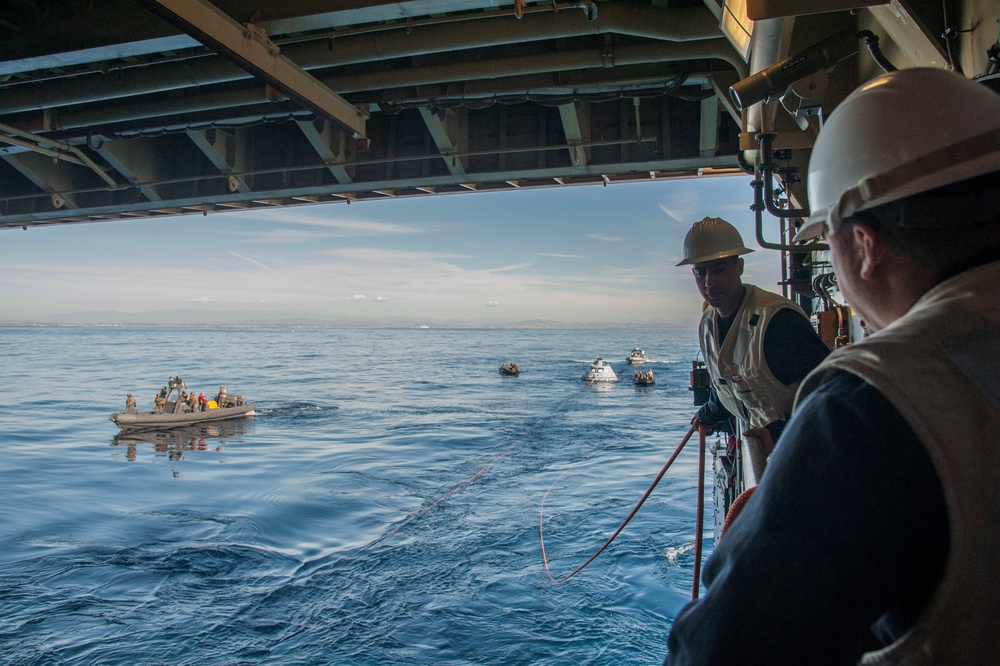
<point x="771" y="83"/>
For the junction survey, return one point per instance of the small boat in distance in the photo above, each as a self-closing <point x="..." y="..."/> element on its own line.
<point x="172" y="408"/>
<point x="637" y="357"/>
<point x="600" y="371"/>
<point x="644" y="378"/>
<point x="510" y="370"/>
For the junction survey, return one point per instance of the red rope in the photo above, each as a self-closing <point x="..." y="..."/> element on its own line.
<point x="541" y="515"/>
<point x="699" y="521"/>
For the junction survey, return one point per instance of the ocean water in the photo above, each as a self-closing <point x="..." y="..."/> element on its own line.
<point x="382" y="506"/>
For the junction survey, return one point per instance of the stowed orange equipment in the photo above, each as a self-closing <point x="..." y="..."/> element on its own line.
<point x="735" y="509"/>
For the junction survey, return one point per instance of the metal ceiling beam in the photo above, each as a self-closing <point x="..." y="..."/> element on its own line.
<point x="586" y="63"/>
<point x="661" y="25"/>
<point x="449" y="132"/>
<point x="49" y="176"/>
<point x="249" y="47"/>
<point x="680" y="168"/>
<point x="575" y="118"/>
<point x="136" y="161"/>
<point x="57" y="149"/>
<point x="226" y="152"/>
<point x="331" y="146"/>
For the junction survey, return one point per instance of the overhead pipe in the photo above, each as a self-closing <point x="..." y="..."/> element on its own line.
<point x="316" y="167"/>
<point x="758" y="208"/>
<point x="772" y="39"/>
<point x="468" y="72"/>
<point x="612" y="56"/>
<point x="662" y="24"/>
<point x="766" y="170"/>
<point x="162" y="114"/>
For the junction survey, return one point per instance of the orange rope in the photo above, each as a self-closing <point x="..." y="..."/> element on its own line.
<point x="735" y="509"/>
<point x="541" y="516"/>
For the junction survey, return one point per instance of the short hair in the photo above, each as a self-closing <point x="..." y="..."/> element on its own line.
<point x="943" y="226"/>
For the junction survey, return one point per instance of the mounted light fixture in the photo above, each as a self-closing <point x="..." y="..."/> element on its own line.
<point x="735" y="25"/>
<point x="769" y="84"/>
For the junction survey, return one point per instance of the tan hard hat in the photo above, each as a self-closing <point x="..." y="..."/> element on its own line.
<point x="900" y="134"/>
<point x="712" y="238"/>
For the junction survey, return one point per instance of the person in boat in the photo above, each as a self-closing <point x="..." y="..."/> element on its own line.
<point x="757" y="345"/>
<point x="129" y="404"/>
<point x="220" y="399"/>
<point x="202" y="402"/>
<point x="874" y="528"/>
<point x="159" y="403"/>
<point x="192" y="402"/>
<point x="164" y="392"/>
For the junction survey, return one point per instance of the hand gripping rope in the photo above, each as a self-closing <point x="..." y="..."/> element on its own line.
<point x="701" y="513"/>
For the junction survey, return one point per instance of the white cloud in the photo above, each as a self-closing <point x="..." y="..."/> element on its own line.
<point x="251" y="261"/>
<point x="329" y="217"/>
<point x="682" y="203"/>
<point x="136" y="266"/>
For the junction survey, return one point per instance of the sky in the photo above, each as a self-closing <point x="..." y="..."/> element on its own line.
<point x="584" y="254"/>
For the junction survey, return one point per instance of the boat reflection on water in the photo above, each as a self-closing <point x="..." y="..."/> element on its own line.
<point x="176" y="442"/>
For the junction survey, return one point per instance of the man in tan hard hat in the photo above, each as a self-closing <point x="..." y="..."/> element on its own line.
<point x="757" y="345"/>
<point x="873" y="538"/>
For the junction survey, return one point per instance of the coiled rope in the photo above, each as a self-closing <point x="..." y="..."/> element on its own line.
<point x="673" y="457"/>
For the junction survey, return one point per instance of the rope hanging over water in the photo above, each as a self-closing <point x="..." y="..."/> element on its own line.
<point x="415" y="516"/>
<point x="673" y="457"/>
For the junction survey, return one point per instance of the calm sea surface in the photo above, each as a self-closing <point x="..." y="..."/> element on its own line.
<point x="325" y="529"/>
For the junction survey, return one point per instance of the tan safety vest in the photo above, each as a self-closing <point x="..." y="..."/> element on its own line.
<point x="939" y="365"/>
<point x="739" y="372"/>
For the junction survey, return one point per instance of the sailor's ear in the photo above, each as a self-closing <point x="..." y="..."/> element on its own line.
<point x="740" y="265"/>
<point x="870" y="248"/>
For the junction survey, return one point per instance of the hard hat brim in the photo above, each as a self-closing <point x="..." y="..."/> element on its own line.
<point x="814" y="227"/>
<point x="714" y="256"/>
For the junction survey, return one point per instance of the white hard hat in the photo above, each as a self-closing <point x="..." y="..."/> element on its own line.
<point x="898" y="135"/>
<point x="712" y="238"/>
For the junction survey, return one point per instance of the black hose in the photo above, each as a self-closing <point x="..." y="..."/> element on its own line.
<point x="992" y="60"/>
<point x="871" y="41"/>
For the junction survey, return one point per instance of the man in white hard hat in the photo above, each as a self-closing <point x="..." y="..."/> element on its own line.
<point x="757" y="345"/>
<point x="874" y="538"/>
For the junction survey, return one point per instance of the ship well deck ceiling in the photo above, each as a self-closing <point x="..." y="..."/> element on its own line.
<point x="113" y="109"/>
<point x="117" y="109"/>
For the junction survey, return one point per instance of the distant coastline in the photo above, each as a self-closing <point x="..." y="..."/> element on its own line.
<point x="192" y="318"/>
<point x="552" y="325"/>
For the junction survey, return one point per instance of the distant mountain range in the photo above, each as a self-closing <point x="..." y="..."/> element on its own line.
<point x="252" y="318"/>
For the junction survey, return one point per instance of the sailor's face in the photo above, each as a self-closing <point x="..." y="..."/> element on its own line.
<point x="719" y="283"/>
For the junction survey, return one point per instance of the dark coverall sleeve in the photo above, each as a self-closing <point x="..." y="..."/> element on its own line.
<point x="712" y="413"/>
<point x="837" y="551"/>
